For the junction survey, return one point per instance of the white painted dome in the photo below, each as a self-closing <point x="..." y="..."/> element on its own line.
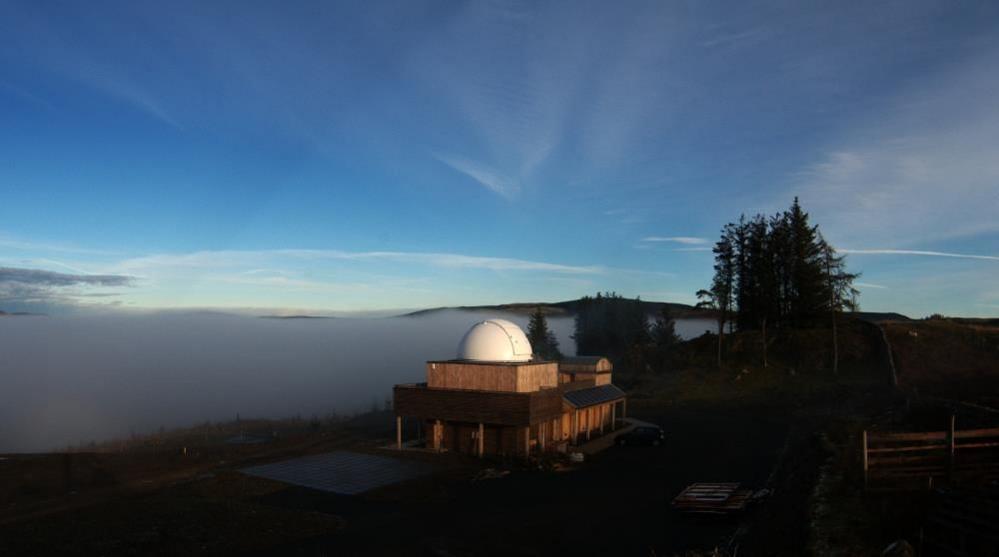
<point x="495" y="340"/>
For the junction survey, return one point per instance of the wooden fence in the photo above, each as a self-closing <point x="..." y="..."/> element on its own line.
<point x="925" y="459"/>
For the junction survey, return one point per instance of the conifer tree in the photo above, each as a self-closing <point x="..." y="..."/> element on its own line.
<point x="612" y="326"/>
<point x="664" y="337"/>
<point x="842" y="294"/>
<point x="777" y="272"/>
<point x="542" y="339"/>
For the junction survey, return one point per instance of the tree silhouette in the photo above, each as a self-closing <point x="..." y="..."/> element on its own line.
<point x="542" y="339"/>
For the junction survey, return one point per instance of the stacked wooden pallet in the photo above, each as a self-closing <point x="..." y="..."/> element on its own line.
<point x="712" y="498"/>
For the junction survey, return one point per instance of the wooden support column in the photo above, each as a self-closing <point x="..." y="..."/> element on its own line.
<point x="438" y="435"/>
<point x="541" y="436"/>
<point x="863" y="453"/>
<point x="575" y="427"/>
<point x="482" y="439"/>
<point x="602" y="415"/>
<point x="527" y="441"/>
<point x="589" y="423"/>
<point x="624" y="409"/>
<point x="398" y="432"/>
<point x="613" y="416"/>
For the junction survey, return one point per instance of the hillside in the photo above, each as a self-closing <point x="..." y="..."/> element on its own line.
<point x="566" y="308"/>
<point x="948" y="358"/>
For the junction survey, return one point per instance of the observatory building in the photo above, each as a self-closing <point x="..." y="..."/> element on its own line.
<point x="496" y="398"/>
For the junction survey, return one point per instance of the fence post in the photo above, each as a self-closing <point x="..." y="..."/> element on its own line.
<point x="864" y="437"/>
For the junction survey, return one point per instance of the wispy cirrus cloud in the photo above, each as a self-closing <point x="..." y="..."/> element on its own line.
<point x="484" y="175"/>
<point x="19" y="244"/>
<point x="685" y="240"/>
<point x="922" y="253"/>
<point x="239" y="258"/>
<point x="922" y="168"/>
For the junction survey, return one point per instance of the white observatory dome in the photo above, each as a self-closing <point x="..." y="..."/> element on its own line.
<point x="495" y="340"/>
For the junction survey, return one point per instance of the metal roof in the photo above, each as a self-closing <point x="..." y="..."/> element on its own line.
<point x="592" y="396"/>
<point x="582" y="360"/>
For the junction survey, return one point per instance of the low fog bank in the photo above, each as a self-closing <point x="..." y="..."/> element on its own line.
<point x="73" y="379"/>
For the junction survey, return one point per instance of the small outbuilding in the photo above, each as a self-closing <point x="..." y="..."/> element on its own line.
<point x="496" y="398"/>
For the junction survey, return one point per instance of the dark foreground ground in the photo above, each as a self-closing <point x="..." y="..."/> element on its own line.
<point x="616" y="503"/>
<point x="758" y="426"/>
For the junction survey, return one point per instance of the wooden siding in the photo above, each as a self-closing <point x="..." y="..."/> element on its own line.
<point x="477" y="406"/>
<point x="462" y="437"/>
<point x="478" y="376"/>
<point x="580" y="383"/>
<point x="602" y="365"/>
<point x="602" y="378"/>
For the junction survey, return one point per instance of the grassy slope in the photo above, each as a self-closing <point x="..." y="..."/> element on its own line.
<point x="946" y="358"/>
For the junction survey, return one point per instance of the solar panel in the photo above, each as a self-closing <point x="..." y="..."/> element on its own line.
<point x="343" y="472"/>
<point x="593" y="395"/>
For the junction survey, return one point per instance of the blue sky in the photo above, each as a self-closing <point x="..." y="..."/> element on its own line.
<point x="368" y="156"/>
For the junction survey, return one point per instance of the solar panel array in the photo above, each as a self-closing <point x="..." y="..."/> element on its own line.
<point x="342" y="472"/>
<point x="594" y="395"/>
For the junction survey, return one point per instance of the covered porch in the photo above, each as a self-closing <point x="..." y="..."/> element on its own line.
<point x="593" y="412"/>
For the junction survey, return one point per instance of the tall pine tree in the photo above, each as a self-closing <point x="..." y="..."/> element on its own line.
<point x="542" y="339"/>
<point x="776" y="273"/>
<point x="841" y="293"/>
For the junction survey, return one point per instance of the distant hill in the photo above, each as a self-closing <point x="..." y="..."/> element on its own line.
<point x="880" y="316"/>
<point x="295" y="317"/>
<point x="569" y="308"/>
<point x="566" y="308"/>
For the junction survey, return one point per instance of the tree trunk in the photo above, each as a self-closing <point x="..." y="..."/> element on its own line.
<point x="721" y="333"/>
<point x="765" y="363"/>
<point x="835" y="345"/>
<point x="832" y="311"/>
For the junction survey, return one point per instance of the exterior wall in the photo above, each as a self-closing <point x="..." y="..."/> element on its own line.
<point x="477" y="406"/>
<point x="534" y="377"/>
<point x="461" y="437"/>
<point x="595" y="378"/>
<point x="516" y="378"/>
<point x="549" y="435"/>
<point x="602" y="365"/>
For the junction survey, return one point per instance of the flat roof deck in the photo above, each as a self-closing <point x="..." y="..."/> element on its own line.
<point x="342" y="472"/>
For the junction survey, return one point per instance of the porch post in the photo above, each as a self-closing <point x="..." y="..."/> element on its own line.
<point x="438" y="435"/>
<point x="613" y="416"/>
<point x="603" y="407"/>
<point x="398" y="433"/>
<point x="527" y="441"/>
<point x="481" y="439"/>
<point x="575" y="427"/>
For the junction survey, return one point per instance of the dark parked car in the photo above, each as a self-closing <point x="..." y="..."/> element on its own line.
<point x="642" y="435"/>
